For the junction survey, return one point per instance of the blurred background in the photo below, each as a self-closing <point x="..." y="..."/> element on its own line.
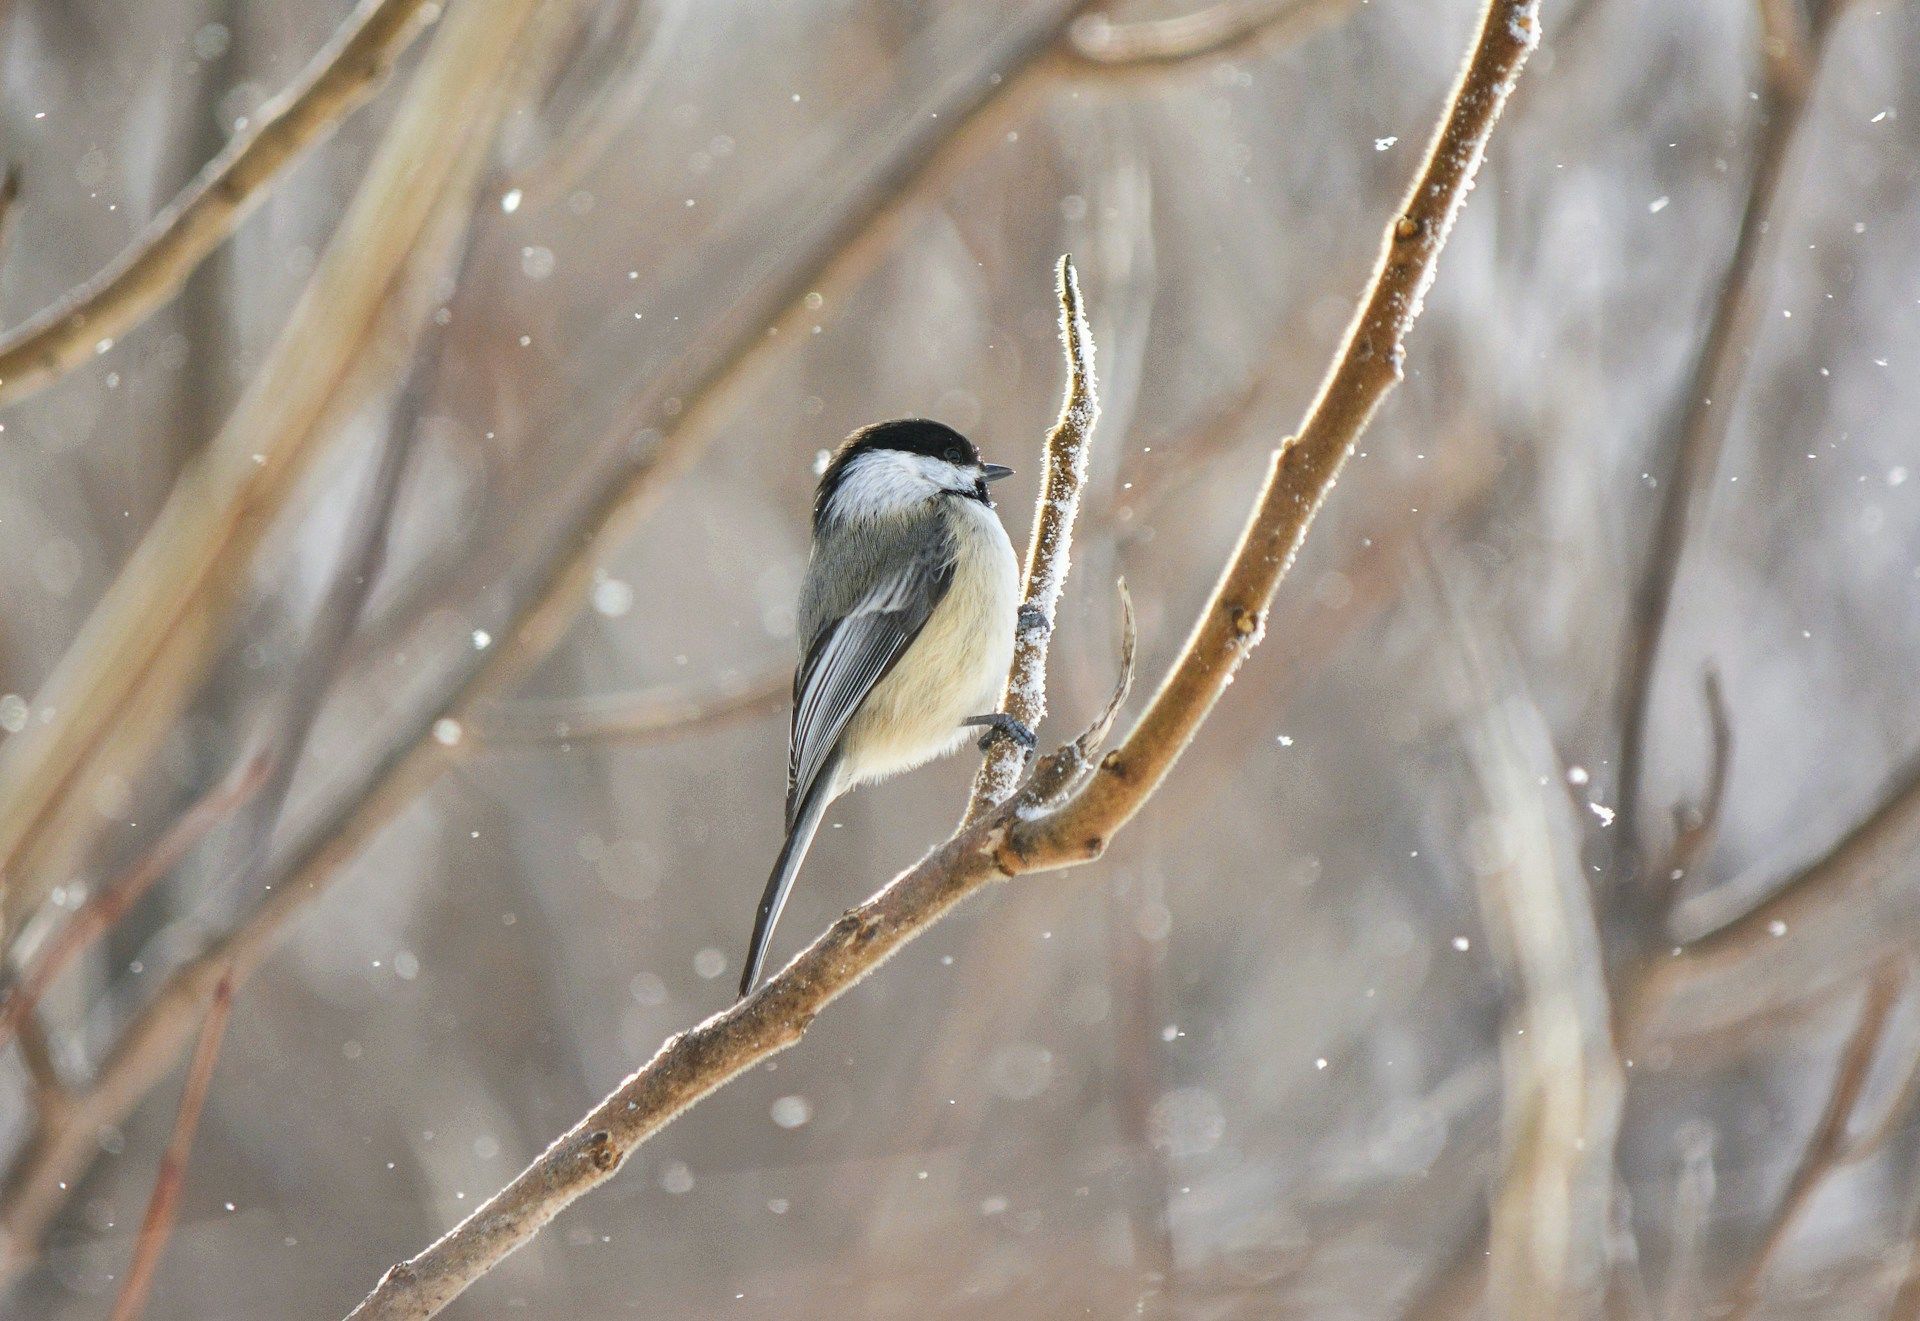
<point x="1529" y="932"/>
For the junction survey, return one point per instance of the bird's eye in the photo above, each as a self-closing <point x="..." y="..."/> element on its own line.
<point x="955" y="454"/>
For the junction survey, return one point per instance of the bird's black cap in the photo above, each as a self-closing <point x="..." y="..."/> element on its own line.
<point x="910" y="435"/>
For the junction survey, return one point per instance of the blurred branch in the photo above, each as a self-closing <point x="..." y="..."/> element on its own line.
<point x="1031" y="832"/>
<point x="164" y="1203"/>
<point x="644" y="716"/>
<point x="148" y="641"/>
<point x="107" y="905"/>
<point x="1696" y="824"/>
<point x="1217" y="29"/>
<point x="146" y="276"/>
<point x="1550" y="1214"/>
<point x="1827" y="1146"/>
<point x="1698" y="434"/>
<point x="1049" y="550"/>
<point x="9" y="194"/>
<point x="1844" y="911"/>
<point x="61" y="1148"/>
<point x="51" y="1095"/>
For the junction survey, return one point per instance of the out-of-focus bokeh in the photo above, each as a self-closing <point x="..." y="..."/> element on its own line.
<point x="1374" y="995"/>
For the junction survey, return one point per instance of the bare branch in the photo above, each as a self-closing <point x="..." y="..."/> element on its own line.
<point x="107" y="905"/>
<point x="647" y="715"/>
<point x="1218" y="29"/>
<point x="146" y="276"/>
<point x="1050" y="549"/>
<point x="1697" y="434"/>
<point x="1827" y="1146"/>
<point x="1696" y="824"/>
<point x="114" y="693"/>
<point x="164" y="1203"/>
<point x="1833" y="919"/>
<point x="1020" y="835"/>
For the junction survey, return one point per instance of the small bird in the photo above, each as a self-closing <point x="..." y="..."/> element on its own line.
<point x="906" y="623"/>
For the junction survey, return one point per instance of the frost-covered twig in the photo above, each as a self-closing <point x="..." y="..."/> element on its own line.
<point x="143" y="278"/>
<point x="1049" y="550"/>
<point x="1025" y="834"/>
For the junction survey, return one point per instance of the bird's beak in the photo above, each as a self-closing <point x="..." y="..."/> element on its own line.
<point x="993" y="472"/>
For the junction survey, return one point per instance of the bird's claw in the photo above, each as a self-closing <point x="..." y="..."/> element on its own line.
<point x="1033" y="620"/>
<point x="1001" y="725"/>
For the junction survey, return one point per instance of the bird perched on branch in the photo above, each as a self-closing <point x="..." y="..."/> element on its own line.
<point x="906" y="621"/>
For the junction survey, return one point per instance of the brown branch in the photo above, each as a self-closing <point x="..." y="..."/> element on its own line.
<point x="107" y="905"/>
<point x="136" y="660"/>
<point x="147" y="275"/>
<point x="1050" y="549"/>
<point x="1697" y="435"/>
<point x="51" y="1095"/>
<point x="164" y="1203"/>
<point x="1025" y="834"/>
<point x="647" y="715"/>
<point x="1833" y="919"/>
<point x="1827" y="1145"/>
<point x="1696" y="824"/>
<point x="1218" y="29"/>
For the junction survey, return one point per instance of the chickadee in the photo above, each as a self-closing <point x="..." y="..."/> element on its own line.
<point x="907" y="618"/>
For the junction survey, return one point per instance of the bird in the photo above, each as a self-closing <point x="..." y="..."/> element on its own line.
<point x="906" y="622"/>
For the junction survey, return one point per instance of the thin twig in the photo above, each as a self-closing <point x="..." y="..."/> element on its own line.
<point x="1697" y="435"/>
<point x="645" y="715"/>
<point x="143" y="278"/>
<point x="1049" y="550"/>
<point x="135" y="662"/>
<point x="51" y="1095"/>
<point x="1696" y="824"/>
<point x="1025" y="834"/>
<point x="1827" y="1145"/>
<point x="164" y="1203"/>
<point x="107" y="905"/>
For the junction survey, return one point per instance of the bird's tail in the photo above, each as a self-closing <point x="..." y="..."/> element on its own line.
<point x="800" y="834"/>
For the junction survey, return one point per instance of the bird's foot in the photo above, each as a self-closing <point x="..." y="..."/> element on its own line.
<point x="1001" y="725"/>
<point x="1033" y="620"/>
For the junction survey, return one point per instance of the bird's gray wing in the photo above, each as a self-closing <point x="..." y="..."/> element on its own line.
<point x="854" y="648"/>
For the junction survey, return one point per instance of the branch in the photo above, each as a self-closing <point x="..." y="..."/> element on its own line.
<point x="136" y="660"/>
<point x="107" y="905"/>
<point x="164" y="1202"/>
<point x="1827" y="1146"/>
<point x="1697" y="435"/>
<point x="1218" y="29"/>
<point x="146" y="276"/>
<point x="1549" y="1215"/>
<point x="1026" y="833"/>
<point x="1050" y="549"/>
<point x="646" y="716"/>
<point x="1833" y="919"/>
